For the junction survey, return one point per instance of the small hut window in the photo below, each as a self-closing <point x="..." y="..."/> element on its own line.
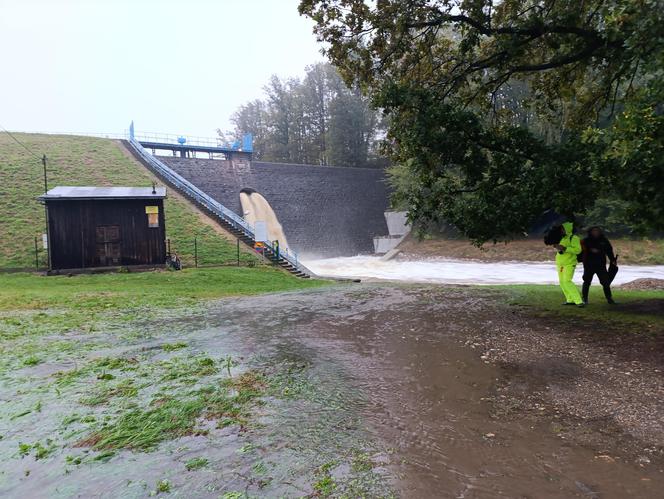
<point x="153" y="216"/>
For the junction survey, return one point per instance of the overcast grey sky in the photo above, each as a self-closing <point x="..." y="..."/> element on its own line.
<point x="171" y="66"/>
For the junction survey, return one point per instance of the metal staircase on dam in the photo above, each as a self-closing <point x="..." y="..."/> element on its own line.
<point x="227" y="218"/>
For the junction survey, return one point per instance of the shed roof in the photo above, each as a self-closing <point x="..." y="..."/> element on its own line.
<point x="65" y="192"/>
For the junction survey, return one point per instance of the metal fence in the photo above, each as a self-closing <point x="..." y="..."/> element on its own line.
<point x="203" y="252"/>
<point x="169" y="138"/>
<point x="192" y="252"/>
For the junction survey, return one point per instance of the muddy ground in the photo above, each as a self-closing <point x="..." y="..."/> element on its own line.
<point x="362" y="390"/>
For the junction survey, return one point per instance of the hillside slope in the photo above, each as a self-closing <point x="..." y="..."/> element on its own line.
<point x="74" y="160"/>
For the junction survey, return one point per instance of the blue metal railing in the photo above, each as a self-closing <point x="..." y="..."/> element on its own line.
<point x="169" y="138"/>
<point x="186" y="187"/>
<point x="244" y="145"/>
<point x="214" y="206"/>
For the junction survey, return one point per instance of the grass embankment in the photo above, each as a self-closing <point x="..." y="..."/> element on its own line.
<point x="639" y="311"/>
<point x="88" y="161"/>
<point x="631" y="251"/>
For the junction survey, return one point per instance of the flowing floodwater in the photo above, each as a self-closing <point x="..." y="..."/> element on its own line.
<point x="392" y="361"/>
<point x="451" y="271"/>
<point x="384" y="373"/>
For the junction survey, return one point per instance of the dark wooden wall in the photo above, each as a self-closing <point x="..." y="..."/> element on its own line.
<point x="73" y="238"/>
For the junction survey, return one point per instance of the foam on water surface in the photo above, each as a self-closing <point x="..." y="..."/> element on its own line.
<point x="451" y="271"/>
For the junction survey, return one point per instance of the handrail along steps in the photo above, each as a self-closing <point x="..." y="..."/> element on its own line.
<point x="239" y="226"/>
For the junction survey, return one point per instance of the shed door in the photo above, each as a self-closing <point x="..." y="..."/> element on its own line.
<point x="108" y="245"/>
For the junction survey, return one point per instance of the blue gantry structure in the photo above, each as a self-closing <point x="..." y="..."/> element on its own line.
<point x="190" y="147"/>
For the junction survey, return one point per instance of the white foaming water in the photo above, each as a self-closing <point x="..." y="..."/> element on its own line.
<point x="256" y="207"/>
<point x="450" y="271"/>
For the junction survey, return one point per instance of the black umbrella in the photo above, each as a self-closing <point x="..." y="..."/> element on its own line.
<point x="613" y="269"/>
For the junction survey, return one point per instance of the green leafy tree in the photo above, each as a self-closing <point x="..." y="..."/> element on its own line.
<point x="500" y="110"/>
<point x="610" y="214"/>
<point x="631" y="154"/>
<point x="318" y="88"/>
<point x="316" y="120"/>
<point x="252" y="117"/>
<point x="280" y="122"/>
<point x="352" y="124"/>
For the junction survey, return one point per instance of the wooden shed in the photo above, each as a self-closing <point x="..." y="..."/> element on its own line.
<point x="90" y="227"/>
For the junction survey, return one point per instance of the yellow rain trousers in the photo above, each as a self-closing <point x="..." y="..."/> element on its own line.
<point x="571" y="292"/>
<point x="566" y="263"/>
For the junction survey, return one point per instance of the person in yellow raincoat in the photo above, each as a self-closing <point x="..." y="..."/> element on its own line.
<point x="566" y="259"/>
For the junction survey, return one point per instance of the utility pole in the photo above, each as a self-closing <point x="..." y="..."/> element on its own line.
<point x="48" y="249"/>
<point x="45" y="179"/>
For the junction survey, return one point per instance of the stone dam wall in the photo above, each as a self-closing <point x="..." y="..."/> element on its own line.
<point x="325" y="211"/>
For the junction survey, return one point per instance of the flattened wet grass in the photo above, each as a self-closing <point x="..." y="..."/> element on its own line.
<point x="101" y="368"/>
<point x="172" y="416"/>
<point x="196" y="463"/>
<point x="171" y="347"/>
<point x="187" y="370"/>
<point x="102" y="395"/>
<point x="144" y="429"/>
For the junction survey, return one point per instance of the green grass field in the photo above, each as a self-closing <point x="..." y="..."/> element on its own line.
<point x="86" y="161"/>
<point x="117" y="292"/>
<point x="34" y="308"/>
<point x="636" y="310"/>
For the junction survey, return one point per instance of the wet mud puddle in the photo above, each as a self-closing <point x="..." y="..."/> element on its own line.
<point x="373" y="394"/>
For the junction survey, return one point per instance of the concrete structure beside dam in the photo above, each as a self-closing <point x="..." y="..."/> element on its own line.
<point x="325" y="211"/>
<point x="397" y="225"/>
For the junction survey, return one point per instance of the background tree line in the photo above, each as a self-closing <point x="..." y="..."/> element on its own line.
<point x="316" y="120"/>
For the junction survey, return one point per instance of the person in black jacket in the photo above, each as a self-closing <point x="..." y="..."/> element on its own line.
<point x="596" y="249"/>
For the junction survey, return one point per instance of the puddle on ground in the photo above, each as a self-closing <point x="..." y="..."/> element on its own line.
<point x="387" y="383"/>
